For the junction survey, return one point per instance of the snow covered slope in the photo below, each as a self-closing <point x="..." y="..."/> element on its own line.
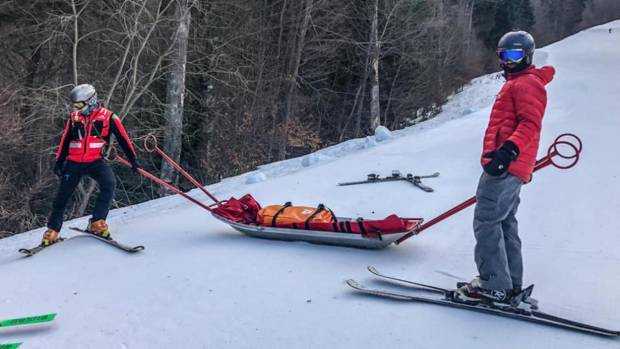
<point x="199" y="284"/>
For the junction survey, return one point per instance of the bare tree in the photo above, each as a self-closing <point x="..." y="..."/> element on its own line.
<point x="176" y="90"/>
<point x="375" y="105"/>
<point x="293" y="75"/>
<point x="140" y="22"/>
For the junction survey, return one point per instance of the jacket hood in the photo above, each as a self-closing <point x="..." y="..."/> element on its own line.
<point x="545" y="74"/>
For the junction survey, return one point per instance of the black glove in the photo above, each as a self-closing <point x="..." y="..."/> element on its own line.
<point x="59" y="168"/>
<point x="501" y="159"/>
<point x="135" y="166"/>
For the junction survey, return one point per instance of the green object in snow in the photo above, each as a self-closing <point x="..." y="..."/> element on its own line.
<point x="10" y="345"/>
<point x="30" y="320"/>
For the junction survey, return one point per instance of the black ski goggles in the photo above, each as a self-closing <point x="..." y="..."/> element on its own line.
<point x="511" y="56"/>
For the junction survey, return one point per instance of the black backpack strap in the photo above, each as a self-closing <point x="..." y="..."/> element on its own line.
<point x="319" y="209"/>
<point x="360" y="223"/>
<point x="275" y="216"/>
<point x="334" y="219"/>
<point x="364" y="232"/>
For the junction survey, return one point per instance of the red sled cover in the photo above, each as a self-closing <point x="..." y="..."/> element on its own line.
<point x="370" y="228"/>
<point x="243" y="210"/>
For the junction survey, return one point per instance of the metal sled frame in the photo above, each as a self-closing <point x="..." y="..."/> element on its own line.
<point x="568" y="141"/>
<point x="316" y="236"/>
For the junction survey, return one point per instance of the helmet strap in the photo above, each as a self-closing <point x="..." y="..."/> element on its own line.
<point x="90" y="106"/>
<point x="524" y="64"/>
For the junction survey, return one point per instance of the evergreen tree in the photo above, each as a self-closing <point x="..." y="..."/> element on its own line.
<point x="498" y="17"/>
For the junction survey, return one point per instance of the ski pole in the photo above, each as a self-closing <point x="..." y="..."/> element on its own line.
<point x="552" y="152"/>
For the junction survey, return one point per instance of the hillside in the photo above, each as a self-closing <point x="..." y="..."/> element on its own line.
<point x="200" y="284"/>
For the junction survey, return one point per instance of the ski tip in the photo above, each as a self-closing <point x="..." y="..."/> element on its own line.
<point x="27" y="252"/>
<point x="372" y="269"/>
<point x="353" y="283"/>
<point x="527" y="292"/>
<point x="137" y="249"/>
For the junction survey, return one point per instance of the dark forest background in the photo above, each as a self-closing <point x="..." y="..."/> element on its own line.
<point x="227" y="85"/>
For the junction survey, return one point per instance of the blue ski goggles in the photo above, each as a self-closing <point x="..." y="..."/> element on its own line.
<point x="511" y="56"/>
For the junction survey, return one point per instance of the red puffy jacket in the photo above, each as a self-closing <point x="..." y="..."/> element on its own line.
<point x="85" y="137"/>
<point x="517" y="116"/>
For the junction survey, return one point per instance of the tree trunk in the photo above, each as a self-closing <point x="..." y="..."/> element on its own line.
<point x="75" y="42"/>
<point x="292" y="78"/>
<point x="360" y="104"/>
<point x="470" y="25"/>
<point x="175" y="93"/>
<point x="375" y="106"/>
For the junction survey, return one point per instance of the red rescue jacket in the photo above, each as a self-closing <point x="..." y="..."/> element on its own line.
<point x="85" y="137"/>
<point x="517" y="116"/>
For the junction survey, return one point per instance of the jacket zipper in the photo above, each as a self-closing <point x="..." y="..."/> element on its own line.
<point x="86" y="137"/>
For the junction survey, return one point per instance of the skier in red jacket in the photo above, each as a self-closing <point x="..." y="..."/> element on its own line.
<point x="509" y="154"/>
<point x="80" y="153"/>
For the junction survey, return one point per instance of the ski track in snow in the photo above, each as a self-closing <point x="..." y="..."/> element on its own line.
<point x="200" y="284"/>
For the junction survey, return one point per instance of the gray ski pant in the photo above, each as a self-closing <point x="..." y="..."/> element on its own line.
<point x="498" y="247"/>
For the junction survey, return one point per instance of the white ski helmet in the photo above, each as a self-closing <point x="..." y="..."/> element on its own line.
<point x="84" y="98"/>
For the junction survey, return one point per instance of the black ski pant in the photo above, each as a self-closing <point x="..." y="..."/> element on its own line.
<point x="72" y="173"/>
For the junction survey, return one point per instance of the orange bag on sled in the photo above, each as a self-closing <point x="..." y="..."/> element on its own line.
<point x="297" y="217"/>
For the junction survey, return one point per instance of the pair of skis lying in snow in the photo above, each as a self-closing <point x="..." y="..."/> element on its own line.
<point x="129" y="249"/>
<point x="396" y="176"/>
<point x="446" y="297"/>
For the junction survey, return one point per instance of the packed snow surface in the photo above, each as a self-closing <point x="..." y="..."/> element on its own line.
<point x="200" y="284"/>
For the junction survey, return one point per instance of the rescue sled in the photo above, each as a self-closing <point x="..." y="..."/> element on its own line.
<point x="240" y="214"/>
<point x="316" y="236"/>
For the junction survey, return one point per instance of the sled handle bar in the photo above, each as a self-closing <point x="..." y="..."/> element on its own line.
<point x="569" y="140"/>
<point x="155" y="179"/>
<point x="565" y="139"/>
<point x="150" y="145"/>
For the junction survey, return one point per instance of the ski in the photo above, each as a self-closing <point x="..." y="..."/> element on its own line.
<point x="29" y="320"/>
<point x="29" y="252"/>
<point x="524" y="296"/>
<point x="417" y="181"/>
<point x="10" y="345"/>
<point x="396" y="176"/>
<point x="509" y="312"/>
<point x="412" y="284"/>
<point x="111" y="242"/>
